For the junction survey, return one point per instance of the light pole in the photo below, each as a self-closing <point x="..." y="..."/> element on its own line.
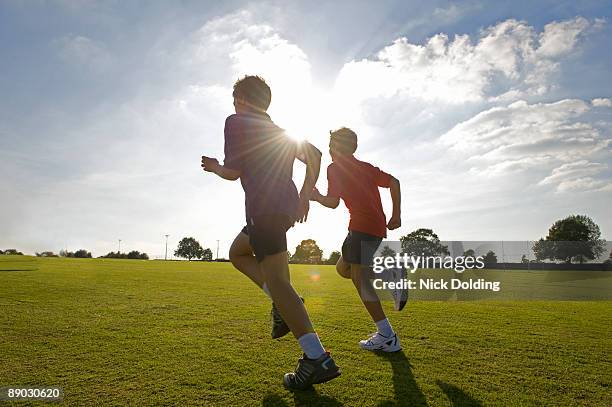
<point x="217" y="250"/>
<point x="119" y="252"/>
<point x="166" y="256"/>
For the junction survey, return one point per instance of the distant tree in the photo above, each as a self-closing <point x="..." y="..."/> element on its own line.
<point x="189" y="248"/>
<point x="1" y="252"/>
<point x="115" y="255"/>
<point x="12" y="252"/>
<point x="423" y="242"/>
<point x="136" y="255"/>
<point x="469" y="253"/>
<point x="46" y="254"/>
<point x="524" y="259"/>
<point x="387" y="252"/>
<point x="307" y="252"/>
<point x="82" y="254"/>
<point x="333" y="257"/>
<point x="490" y="259"/>
<point x="207" y="255"/>
<point x="576" y="238"/>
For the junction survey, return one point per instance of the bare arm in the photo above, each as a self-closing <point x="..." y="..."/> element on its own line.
<point x="327" y="201"/>
<point x="311" y="156"/>
<point x="396" y="199"/>
<point x="212" y="165"/>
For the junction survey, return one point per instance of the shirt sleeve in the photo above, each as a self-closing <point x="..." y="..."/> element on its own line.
<point x="381" y="178"/>
<point x="333" y="183"/>
<point x="232" y="144"/>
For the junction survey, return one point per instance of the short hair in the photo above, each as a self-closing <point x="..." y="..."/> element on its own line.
<point x="345" y="140"/>
<point x="254" y="90"/>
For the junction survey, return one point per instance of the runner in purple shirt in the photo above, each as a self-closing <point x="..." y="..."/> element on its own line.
<point x="262" y="155"/>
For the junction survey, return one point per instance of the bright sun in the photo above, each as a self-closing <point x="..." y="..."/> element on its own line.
<point x="309" y="116"/>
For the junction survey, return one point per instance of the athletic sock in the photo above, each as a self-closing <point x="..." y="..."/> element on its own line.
<point x="384" y="328"/>
<point x="311" y="345"/>
<point x="266" y="290"/>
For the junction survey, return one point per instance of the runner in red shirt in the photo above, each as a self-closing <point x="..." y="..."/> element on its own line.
<point x="357" y="183"/>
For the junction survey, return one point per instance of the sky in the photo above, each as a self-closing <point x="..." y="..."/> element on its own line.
<point x="496" y="117"/>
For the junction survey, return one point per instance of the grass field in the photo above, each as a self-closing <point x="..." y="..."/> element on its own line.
<point x="122" y="332"/>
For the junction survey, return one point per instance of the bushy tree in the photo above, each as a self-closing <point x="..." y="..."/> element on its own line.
<point x="114" y="255"/>
<point x="189" y="248"/>
<point x="12" y="252"/>
<point x="423" y="242"/>
<point x="136" y="255"/>
<point x="576" y="238"/>
<point x="387" y="252"/>
<point x="333" y="257"/>
<point x="469" y="253"/>
<point x="46" y="254"/>
<point x="207" y="255"/>
<point x="490" y="259"/>
<point x="307" y="252"/>
<point x="82" y="254"/>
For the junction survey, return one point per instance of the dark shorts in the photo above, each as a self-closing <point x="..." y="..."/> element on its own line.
<point x="359" y="248"/>
<point x="268" y="234"/>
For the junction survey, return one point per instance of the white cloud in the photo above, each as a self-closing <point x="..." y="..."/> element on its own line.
<point x="507" y="61"/>
<point x="583" y="185"/>
<point x="602" y="102"/>
<point x="560" y="38"/>
<point x="578" y="176"/>
<point x="522" y="136"/>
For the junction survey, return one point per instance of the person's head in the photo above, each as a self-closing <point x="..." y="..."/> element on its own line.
<point x="251" y="93"/>
<point x="342" y="143"/>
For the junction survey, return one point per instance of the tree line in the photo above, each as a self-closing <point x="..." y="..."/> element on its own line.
<point x="576" y="238"/>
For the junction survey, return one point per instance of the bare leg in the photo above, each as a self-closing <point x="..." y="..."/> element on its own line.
<point x="367" y="294"/>
<point x="242" y="257"/>
<point x="276" y="272"/>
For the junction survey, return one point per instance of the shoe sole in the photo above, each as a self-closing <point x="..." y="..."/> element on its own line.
<point x="323" y="380"/>
<point x="388" y="349"/>
<point x="328" y="378"/>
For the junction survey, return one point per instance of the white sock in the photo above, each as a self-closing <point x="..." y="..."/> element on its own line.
<point x="311" y="345"/>
<point x="384" y="328"/>
<point x="266" y="290"/>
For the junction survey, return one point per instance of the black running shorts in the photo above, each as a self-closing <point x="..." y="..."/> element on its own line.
<point x="268" y="234"/>
<point x="359" y="248"/>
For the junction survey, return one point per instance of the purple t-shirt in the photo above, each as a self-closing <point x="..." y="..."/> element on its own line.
<point x="264" y="155"/>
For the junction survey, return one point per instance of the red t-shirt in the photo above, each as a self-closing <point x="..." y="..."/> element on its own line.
<point x="357" y="182"/>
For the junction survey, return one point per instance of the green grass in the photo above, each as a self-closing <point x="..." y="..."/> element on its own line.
<point x="121" y="332"/>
